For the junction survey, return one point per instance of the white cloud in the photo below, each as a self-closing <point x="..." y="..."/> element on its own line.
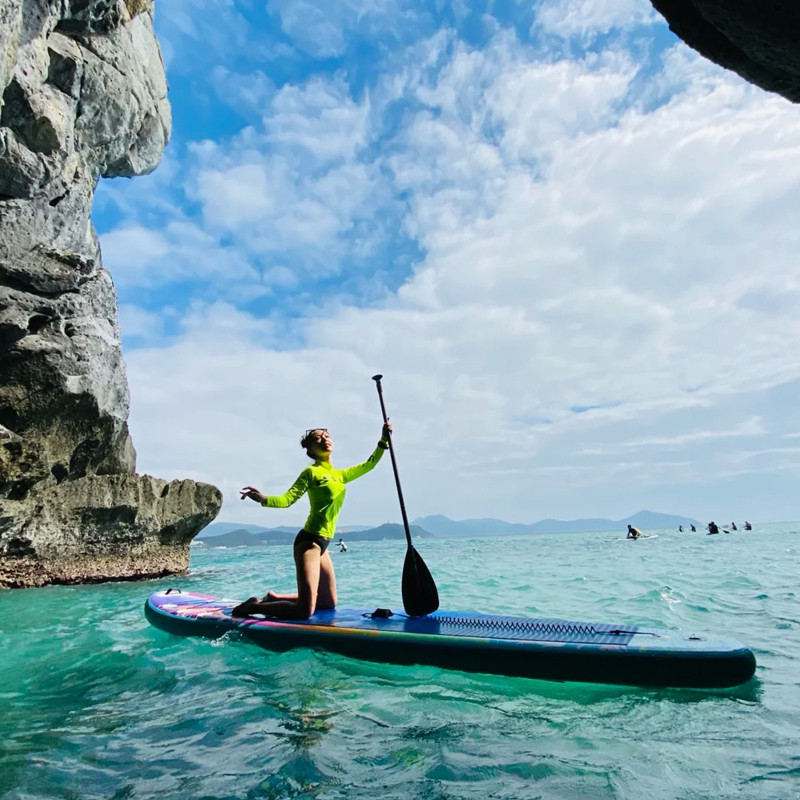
<point x="189" y="35"/>
<point x="319" y="119"/>
<point x="246" y="93"/>
<point x="320" y="29"/>
<point x="590" y="18"/>
<point x="140" y="323"/>
<point x="298" y="183"/>
<point x="539" y="104"/>
<point x="237" y="197"/>
<point x="619" y="277"/>
<point x="685" y="72"/>
<point x="751" y="427"/>
<point x="180" y="252"/>
<point x="579" y="252"/>
<point x="132" y="247"/>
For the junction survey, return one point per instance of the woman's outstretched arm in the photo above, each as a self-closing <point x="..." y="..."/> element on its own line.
<point x="288" y="498"/>
<point x="351" y="473"/>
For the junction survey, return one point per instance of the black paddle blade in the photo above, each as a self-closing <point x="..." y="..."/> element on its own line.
<point x="419" y="591"/>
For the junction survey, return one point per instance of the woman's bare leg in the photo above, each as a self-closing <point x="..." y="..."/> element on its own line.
<point x="271" y="597"/>
<point x="307" y="564"/>
<point x="326" y="597"/>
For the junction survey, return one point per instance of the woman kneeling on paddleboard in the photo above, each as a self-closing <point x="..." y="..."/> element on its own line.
<point x="316" y="582"/>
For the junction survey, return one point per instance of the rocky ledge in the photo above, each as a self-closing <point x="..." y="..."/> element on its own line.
<point x="84" y="96"/>
<point x="102" y="527"/>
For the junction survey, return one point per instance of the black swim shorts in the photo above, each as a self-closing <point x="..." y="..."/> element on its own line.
<point x="315" y="538"/>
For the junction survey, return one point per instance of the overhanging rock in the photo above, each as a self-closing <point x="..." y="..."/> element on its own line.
<point x="758" y="39"/>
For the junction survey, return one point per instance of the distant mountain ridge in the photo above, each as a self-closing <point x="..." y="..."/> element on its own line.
<point x="443" y="526"/>
<point x="220" y="528"/>
<point x="440" y="526"/>
<point x="242" y="537"/>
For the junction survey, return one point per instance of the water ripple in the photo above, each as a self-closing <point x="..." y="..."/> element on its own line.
<point x="97" y="704"/>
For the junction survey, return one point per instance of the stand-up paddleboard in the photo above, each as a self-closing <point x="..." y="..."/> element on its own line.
<point x="550" y="649"/>
<point x="632" y="539"/>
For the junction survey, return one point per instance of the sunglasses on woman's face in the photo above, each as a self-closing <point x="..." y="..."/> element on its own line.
<point x="314" y="430"/>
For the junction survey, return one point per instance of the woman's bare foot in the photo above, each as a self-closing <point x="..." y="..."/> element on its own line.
<point x="243" y="609"/>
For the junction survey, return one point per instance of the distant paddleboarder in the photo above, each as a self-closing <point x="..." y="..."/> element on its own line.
<point x="316" y="582"/>
<point x="712" y="527"/>
<point x="633" y="533"/>
<point x="342" y="546"/>
<point x="693" y="529"/>
<point x="747" y="526"/>
<point x="733" y="526"/>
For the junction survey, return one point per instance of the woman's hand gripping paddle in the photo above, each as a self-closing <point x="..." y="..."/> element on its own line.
<point x="419" y="591"/>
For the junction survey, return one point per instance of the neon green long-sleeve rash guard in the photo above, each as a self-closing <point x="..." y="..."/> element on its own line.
<point x="326" y="490"/>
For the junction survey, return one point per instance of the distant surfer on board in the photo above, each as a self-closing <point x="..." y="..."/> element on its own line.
<point x="342" y="546"/>
<point x="325" y="485"/>
<point x="633" y="533"/>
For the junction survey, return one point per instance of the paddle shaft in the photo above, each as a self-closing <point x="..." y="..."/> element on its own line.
<point x="377" y="379"/>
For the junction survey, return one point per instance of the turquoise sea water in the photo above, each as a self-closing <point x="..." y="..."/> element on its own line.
<point x="95" y="703"/>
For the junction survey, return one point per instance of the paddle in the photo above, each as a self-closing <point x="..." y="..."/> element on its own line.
<point x="419" y="591"/>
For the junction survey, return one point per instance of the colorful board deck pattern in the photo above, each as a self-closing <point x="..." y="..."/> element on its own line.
<point x="549" y="649"/>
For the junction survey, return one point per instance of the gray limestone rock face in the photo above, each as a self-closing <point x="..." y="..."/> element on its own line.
<point x="84" y="96"/>
<point x="102" y="527"/>
<point x="758" y="39"/>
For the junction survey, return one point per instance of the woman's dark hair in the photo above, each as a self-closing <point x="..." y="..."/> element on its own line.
<point x="308" y="437"/>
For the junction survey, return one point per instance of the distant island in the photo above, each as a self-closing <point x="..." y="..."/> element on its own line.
<point x="234" y="534"/>
<point x="645" y="520"/>
<point x="244" y="536"/>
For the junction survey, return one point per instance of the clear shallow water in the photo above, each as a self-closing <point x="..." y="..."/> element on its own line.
<point x="95" y="703"/>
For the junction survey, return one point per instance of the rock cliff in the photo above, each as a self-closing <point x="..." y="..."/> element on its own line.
<point x="84" y="95"/>
<point x="758" y="39"/>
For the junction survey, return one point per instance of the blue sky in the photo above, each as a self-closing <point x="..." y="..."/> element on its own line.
<point x="568" y="242"/>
